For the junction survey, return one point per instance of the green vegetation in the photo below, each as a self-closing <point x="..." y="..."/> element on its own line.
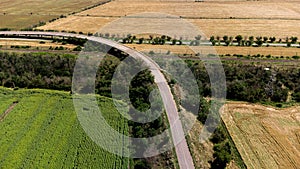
<point x="252" y="83"/>
<point x="55" y="71"/>
<point x="42" y="131"/>
<point x="224" y="149"/>
<point x="263" y="83"/>
<point x="251" y="41"/>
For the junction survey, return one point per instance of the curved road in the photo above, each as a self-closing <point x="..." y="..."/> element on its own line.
<point x="182" y="151"/>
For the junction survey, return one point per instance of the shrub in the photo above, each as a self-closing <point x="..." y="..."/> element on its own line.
<point x="151" y="52"/>
<point x="78" y="48"/>
<point x="296" y="57"/>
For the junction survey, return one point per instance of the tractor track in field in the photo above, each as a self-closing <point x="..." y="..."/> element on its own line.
<point x="8" y="110"/>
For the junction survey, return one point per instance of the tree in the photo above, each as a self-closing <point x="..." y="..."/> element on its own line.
<point x="197" y="41"/>
<point x="272" y="39"/>
<point x="141" y="40"/>
<point x="151" y="52"/>
<point x="239" y="38"/>
<point x="230" y="40"/>
<point x="174" y="42"/>
<point x="78" y="48"/>
<point x="222" y="154"/>
<point x="142" y="164"/>
<point x="287" y="39"/>
<point x="218" y="39"/>
<point x="225" y="38"/>
<point x="259" y="41"/>
<point x="251" y="38"/>
<point x="179" y="42"/>
<point x="227" y="43"/>
<point x="250" y="41"/>
<point x="294" y="40"/>
<point x="203" y="110"/>
<point x="169" y="38"/>
<point x="213" y="42"/>
<point x="296" y="96"/>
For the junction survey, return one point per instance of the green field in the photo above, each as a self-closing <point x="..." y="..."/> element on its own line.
<point x="42" y="131"/>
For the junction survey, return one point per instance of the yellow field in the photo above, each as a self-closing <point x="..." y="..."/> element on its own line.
<point x="24" y="13"/>
<point x="209" y="9"/>
<point x="176" y="49"/>
<point x="257" y="18"/>
<point x="78" y="24"/>
<point x="249" y="27"/>
<point x="221" y="50"/>
<point x="265" y="137"/>
<point x="7" y="43"/>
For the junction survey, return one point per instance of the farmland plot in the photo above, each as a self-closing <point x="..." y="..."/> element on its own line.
<point x="24" y="13"/>
<point x="248" y="18"/>
<point x="42" y="131"/>
<point x="265" y="137"/>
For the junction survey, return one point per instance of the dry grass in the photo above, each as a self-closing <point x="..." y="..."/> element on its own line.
<point x="8" y="43"/>
<point x="248" y="27"/>
<point x="202" y="152"/>
<point x="265" y="137"/>
<point x="22" y="21"/>
<point x="182" y="49"/>
<point x="221" y="50"/>
<point x="18" y="12"/>
<point x="274" y="51"/>
<point x="281" y="20"/>
<point x="79" y="24"/>
<point x="210" y="9"/>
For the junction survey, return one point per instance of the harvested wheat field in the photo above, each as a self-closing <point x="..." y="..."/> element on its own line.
<point x="78" y="24"/>
<point x="221" y="50"/>
<point x="280" y="28"/>
<point x="18" y="14"/>
<point x="248" y="18"/>
<point x="208" y="9"/>
<point x="266" y="137"/>
<point x="33" y="43"/>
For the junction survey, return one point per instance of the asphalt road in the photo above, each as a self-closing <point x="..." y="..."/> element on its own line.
<point x="183" y="155"/>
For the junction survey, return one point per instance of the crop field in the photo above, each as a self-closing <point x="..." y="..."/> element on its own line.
<point x="209" y="9"/>
<point x="42" y="131"/>
<point x="248" y="18"/>
<point x="265" y="137"/>
<point x="21" y="14"/>
<point x="7" y="43"/>
<point x="221" y="50"/>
